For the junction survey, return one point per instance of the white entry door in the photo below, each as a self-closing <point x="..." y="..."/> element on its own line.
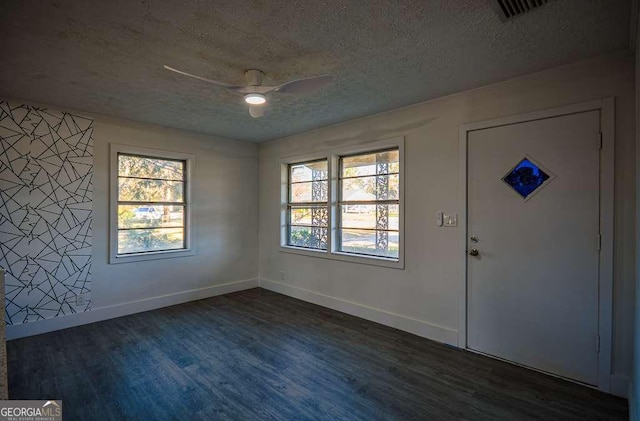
<point x="533" y="243"/>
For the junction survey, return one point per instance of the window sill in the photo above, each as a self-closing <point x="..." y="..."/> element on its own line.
<point x="129" y="258"/>
<point x="345" y="257"/>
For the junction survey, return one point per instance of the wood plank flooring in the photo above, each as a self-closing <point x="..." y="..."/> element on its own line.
<point x="257" y="355"/>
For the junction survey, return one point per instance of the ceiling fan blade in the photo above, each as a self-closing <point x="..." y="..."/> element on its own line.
<point x="256" y="111"/>
<point x="204" y="79"/>
<point x="304" y="85"/>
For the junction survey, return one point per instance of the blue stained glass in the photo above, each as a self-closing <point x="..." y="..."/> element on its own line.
<point x="525" y="178"/>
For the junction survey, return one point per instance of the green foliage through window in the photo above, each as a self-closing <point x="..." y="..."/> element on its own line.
<point x="308" y="210"/>
<point x="369" y="205"/>
<point x="151" y="204"/>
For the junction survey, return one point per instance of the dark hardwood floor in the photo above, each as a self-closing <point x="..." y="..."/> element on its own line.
<point x="260" y="355"/>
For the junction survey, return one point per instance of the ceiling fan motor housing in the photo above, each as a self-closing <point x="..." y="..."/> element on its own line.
<point x="254" y="77"/>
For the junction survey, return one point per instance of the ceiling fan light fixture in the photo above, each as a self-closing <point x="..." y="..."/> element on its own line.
<point x="254" y="90"/>
<point x="255" y="99"/>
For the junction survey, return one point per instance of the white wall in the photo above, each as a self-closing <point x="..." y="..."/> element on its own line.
<point x="224" y="215"/>
<point x="224" y="223"/>
<point x="423" y="298"/>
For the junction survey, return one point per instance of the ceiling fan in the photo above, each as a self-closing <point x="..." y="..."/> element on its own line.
<point x="255" y="93"/>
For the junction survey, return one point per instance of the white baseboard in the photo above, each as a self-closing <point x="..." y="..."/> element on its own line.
<point x="620" y="385"/>
<point x="408" y="324"/>
<point x="124" y="309"/>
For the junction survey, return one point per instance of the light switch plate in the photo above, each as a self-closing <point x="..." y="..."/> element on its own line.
<point x="450" y="219"/>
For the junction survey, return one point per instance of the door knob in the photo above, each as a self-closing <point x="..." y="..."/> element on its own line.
<point x="474" y="252"/>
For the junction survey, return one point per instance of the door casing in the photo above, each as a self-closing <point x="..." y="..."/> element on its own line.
<point x="606" y="106"/>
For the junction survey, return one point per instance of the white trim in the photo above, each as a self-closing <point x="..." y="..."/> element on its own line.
<point x="605" y="303"/>
<point x="190" y="159"/>
<point x="407" y="324"/>
<point x="344" y="257"/>
<point x="284" y="201"/>
<point x="462" y="199"/>
<point x="605" y="299"/>
<point x="620" y="386"/>
<point x="125" y="309"/>
<point x="332" y="156"/>
<point x="537" y="115"/>
<point x="633" y="409"/>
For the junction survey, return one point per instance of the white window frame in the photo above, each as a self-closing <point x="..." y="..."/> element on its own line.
<point x="291" y="205"/>
<point x="333" y="158"/>
<point x="341" y="202"/>
<point x="190" y="160"/>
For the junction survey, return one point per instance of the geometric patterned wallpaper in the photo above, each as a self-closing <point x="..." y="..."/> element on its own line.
<point x="46" y="169"/>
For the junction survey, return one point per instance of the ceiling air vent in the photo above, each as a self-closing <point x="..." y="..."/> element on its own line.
<point x="509" y="9"/>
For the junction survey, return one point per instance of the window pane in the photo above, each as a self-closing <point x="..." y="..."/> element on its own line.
<point x="376" y="243"/>
<point x="315" y="191"/>
<point x="370" y="229"/>
<point x="131" y="216"/>
<point x="136" y="166"/>
<point x="370" y="216"/>
<point x="316" y="216"/>
<point x="309" y="237"/>
<point x="525" y="178"/>
<point x="141" y="190"/>
<point x="141" y="240"/>
<point x="371" y="164"/>
<point x="308" y="171"/>
<point x="383" y="187"/>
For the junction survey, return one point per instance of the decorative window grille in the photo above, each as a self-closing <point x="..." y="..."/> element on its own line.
<point x="308" y="205"/>
<point x="369" y="204"/>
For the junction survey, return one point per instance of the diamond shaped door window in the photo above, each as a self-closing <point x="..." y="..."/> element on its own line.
<point x="525" y="178"/>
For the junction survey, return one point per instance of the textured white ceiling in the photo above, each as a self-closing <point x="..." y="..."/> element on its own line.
<point x="107" y="56"/>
